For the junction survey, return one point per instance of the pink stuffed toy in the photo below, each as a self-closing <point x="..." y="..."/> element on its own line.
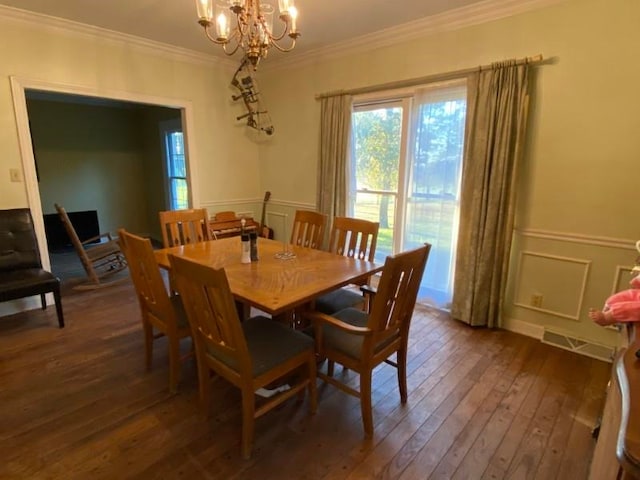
<point x="622" y="306"/>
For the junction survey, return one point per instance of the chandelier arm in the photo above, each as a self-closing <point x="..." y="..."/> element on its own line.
<point x="283" y="49"/>
<point x="274" y="38"/>
<point x="212" y="38"/>
<point x="224" y="48"/>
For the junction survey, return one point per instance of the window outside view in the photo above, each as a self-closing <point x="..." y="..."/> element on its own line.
<point x="409" y="181"/>
<point x="177" y="172"/>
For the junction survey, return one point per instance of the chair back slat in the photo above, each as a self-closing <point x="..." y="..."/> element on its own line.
<point x="395" y="300"/>
<point x="354" y="237"/>
<point x="147" y="279"/>
<point x="183" y="227"/>
<point x="308" y="229"/>
<point x="211" y="311"/>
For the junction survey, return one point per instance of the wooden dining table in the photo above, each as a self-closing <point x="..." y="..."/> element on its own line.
<point x="271" y="284"/>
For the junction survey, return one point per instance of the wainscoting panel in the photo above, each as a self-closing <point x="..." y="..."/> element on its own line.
<point x="560" y="292"/>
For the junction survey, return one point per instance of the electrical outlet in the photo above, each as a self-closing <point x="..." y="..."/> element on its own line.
<point x="15" y="175"/>
<point x="536" y="300"/>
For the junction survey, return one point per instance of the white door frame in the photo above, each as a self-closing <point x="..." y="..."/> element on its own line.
<point x="18" y="87"/>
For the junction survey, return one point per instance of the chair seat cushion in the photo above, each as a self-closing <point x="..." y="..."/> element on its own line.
<point x="26" y="281"/>
<point x="349" y="343"/>
<point x="269" y="343"/>
<point x="337" y="300"/>
<point x="343" y="341"/>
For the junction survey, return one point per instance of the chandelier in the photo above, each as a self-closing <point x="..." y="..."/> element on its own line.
<point x="253" y="31"/>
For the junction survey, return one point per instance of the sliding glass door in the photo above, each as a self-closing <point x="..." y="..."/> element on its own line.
<point x="405" y="168"/>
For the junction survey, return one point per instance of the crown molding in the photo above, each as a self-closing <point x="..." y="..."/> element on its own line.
<point x="82" y="30"/>
<point x="474" y="14"/>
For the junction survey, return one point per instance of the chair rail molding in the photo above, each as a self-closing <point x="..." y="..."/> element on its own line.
<point x="578" y="238"/>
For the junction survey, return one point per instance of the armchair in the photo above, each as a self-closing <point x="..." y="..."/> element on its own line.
<point x="21" y="272"/>
<point x="360" y="341"/>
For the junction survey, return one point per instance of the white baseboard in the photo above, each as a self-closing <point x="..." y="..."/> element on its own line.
<point x="523" y="328"/>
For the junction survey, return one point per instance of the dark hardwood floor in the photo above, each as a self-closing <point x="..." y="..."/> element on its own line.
<point x="77" y="403"/>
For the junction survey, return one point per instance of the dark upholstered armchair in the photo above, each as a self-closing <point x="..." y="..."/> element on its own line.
<point x="21" y="273"/>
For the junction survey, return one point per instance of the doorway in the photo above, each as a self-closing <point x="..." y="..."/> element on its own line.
<point x="27" y="91"/>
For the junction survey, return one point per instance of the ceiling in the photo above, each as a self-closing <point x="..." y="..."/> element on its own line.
<point x="323" y="23"/>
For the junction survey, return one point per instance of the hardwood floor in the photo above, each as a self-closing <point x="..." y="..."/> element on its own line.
<point x="78" y="404"/>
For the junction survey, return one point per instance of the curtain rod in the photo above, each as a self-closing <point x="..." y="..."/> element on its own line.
<point x="438" y="77"/>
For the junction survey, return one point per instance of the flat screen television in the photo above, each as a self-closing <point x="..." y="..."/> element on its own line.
<point x="85" y="224"/>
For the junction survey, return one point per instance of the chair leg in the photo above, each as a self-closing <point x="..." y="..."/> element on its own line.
<point x="43" y="301"/>
<point x="248" y="420"/>
<point x="365" y="402"/>
<point x="401" y="360"/>
<point x="313" y="391"/>
<point x="174" y="363"/>
<point x="330" y="366"/>
<point x="204" y="383"/>
<point x="148" y="343"/>
<point x="58" y="302"/>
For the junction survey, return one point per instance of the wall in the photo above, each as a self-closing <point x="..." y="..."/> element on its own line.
<point x="89" y="157"/>
<point x="577" y="206"/>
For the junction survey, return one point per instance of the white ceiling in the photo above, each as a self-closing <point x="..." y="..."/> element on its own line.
<point x="322" y="23"/>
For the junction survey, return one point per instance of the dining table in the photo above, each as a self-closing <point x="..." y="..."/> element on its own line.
<point x="283" y="278"/>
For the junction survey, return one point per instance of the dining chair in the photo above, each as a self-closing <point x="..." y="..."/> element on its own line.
<point x="360" y="341"/>
<point x="354" y="238"/>
<point x="308" y="229"/>
<point x="100" y="255"/>
<point x="161" y="314"/>
<point x="251" y="355"/>
<point x="182" y="227"/>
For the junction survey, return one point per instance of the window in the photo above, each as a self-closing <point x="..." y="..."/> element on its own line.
<point x="176" y="168"/>
<point x="406" y="162"/>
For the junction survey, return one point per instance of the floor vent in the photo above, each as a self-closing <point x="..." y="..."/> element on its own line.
<point x="594" y="350"/>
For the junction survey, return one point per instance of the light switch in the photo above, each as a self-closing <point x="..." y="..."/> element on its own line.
<point x="15" y="175"/>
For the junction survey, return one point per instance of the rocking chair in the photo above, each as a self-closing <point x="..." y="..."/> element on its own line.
<point x="100" y="260"/>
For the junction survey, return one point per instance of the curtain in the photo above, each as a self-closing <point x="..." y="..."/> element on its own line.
<point x="496" y="117"/>
<point x="335" y="123"/>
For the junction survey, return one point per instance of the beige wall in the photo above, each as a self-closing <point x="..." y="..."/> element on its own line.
<point x="579" y="174"/>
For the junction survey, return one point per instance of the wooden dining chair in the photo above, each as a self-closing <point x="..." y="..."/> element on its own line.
<point x="354" y="238"/>
<point x="183" y="227"/>
<point x="308" y="229"/>
<point x="100" y="255"/>
<point x="251" y="355"/>
<point x="161" y="314"/>
<point x="360" y="341"/>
